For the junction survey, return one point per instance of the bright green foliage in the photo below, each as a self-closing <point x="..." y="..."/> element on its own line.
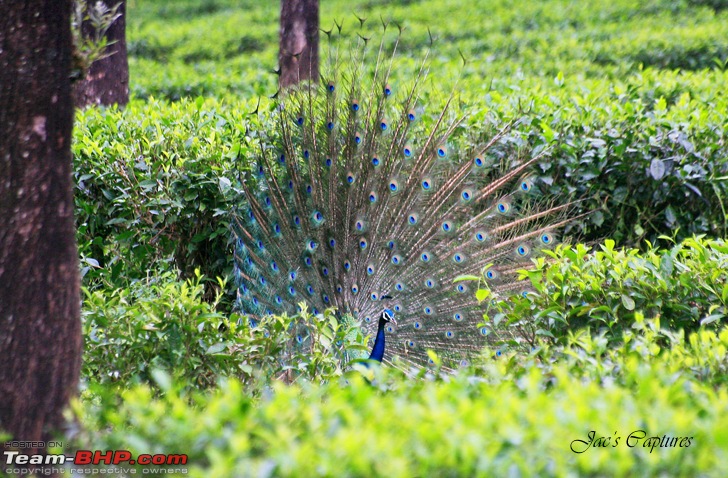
<point x="685" y="286"/>
<point x="506" y="417"/>
<point x="162" y="324"/>
<point x="630" y="98"/>
<point x="154" y="184"/>
<point x="644" y="141"/>
<point x="212" y="47"/>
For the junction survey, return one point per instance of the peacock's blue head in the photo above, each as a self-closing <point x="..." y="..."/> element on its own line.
<point x="388" y="316"/>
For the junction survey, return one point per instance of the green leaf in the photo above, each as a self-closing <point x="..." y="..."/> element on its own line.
<point x="216" y="348"/>
<point x="482" y="294"/>
<point x="628" y="302"/>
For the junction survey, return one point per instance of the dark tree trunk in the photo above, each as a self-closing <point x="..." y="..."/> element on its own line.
<point x="107" y="80"/>
<point x="40" y="328"/>
<point x="298" y="55"/>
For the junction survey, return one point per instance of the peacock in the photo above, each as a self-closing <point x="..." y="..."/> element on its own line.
<point x="362" y="200"/>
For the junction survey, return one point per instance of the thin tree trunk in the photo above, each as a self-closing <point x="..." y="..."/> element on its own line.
<point x="298" y="56"/>
<point x="40" y="329"/>
<point x="107" y="80"/>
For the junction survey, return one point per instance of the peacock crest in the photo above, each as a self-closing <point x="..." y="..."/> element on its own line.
<point x="366" y="200"/>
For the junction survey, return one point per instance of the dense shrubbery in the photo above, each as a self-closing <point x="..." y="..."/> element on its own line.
<point x="154" y="185"/>
<point x="685" y="286"/>
<point x="647" y="146"/>
<point x="164" y="193"/>
<point x="644" y="145"/>
<point x="513" y="415"/>
<point x="162" y="325"/>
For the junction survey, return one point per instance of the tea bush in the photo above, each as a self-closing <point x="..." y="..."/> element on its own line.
<point x="162" y="325"/>
<point x="685" y="286"/>
<point x="502" y="417"/>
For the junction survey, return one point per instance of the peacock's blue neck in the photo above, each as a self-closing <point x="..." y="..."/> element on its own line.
<point x="378" y="349"/>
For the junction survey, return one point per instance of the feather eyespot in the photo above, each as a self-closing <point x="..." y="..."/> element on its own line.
<point x="503" y="207"/>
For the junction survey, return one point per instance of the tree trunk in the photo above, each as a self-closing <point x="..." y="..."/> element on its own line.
<point x="107" y="79"/>
<point x="40" y="328"/>
<point x="298" y="55"/>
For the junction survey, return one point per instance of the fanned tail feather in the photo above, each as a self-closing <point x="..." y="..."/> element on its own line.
<point x="356" y="196"/>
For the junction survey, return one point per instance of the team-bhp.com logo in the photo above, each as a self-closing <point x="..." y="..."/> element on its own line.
<point x="116" y="458"/>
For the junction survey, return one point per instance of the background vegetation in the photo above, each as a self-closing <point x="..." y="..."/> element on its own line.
<point x="629" y="98"/>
